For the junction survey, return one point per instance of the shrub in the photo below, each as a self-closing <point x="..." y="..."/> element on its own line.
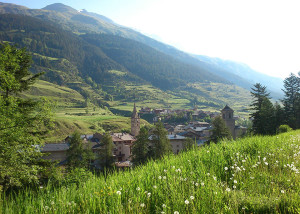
<point x="284" y="128"/>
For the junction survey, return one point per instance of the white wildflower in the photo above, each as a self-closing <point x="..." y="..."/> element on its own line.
<point x="226" y="168"/>
<point x="118" y="192"/>
<point x="164" y="206"/>
<point x="159" y="177"/>
<point x="192" y="197"/>
<point x="138" y="189"/>
<point x="228" y="189"/>
<point x="186" y="202"/>
<point x="142" y="205"/>
<point x="149" y="194"/>
<point x="176" y="212"/>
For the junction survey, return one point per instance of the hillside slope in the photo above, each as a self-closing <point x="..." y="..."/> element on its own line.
<point x="82" y="22"/>
<point x="251" y="175"/>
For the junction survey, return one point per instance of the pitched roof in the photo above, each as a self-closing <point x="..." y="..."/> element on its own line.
<point x="51" y="147"/>
<point x="227" y="108"/>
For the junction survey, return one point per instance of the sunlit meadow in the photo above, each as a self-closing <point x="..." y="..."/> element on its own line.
<point x="251" y="175"/>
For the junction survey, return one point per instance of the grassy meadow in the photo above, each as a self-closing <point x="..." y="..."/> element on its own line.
<point x="251" y="175"/>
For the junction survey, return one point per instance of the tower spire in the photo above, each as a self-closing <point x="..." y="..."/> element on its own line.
<point x="135" y="122"/>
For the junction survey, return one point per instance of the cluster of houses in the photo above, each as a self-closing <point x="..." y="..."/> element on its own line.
<point x="123" y="142"/>
<point x="195" y="113"/>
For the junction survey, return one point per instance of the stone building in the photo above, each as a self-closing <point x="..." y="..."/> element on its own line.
<point x="227" y="116"/>
<point x="135" y="122"/>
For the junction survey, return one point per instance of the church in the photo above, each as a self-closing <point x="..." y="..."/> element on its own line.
<point x="227" y="116"/>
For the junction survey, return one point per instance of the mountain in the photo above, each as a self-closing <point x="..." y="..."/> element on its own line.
<point x="274" y="84"/>
<point x="82" y="22"/>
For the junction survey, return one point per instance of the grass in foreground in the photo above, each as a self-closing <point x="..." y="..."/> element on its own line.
<point x="252" y="175"/>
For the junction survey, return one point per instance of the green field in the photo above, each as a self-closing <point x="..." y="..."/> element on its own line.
<point x="74" y="112"/>
<point x="251" y="175"/>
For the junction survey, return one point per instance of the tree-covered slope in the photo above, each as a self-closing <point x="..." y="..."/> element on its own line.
<point x="83" y="22"/>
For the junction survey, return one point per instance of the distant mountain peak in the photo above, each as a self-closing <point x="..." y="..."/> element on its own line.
<point x="59" y="7"/>
<point x="82" y="11"/>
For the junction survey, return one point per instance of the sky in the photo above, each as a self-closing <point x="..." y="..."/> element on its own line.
<point x="260" y="33"/>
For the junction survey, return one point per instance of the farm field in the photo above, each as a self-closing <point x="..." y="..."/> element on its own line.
<point x="250" y="175"/>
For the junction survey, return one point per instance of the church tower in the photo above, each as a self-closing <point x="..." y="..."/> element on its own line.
<point x="227" y="115"/>
<point x="135" y="122"/>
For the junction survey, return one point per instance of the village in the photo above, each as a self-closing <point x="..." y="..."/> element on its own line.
<point x="123" y="142"/>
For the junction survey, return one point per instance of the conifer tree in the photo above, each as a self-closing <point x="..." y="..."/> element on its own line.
<point x="291" y="101"/>
<point x="79" y="154"/>
<point x="160" y="141"/>
<point x="23" y="122"/>
<point x="140" y="149"/>
<point x="106" y="157"/>
<point x="263" y="111"/>
<point x="220" y="130"/>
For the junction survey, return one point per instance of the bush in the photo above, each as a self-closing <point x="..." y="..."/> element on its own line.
<point x="78" y="175"/>
<point x="284" y="128"/>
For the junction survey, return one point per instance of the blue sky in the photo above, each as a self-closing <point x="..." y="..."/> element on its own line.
<point x="261" y="33"/>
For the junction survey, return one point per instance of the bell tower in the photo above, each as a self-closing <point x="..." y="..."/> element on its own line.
<point x="227" y="116"/>
<point x="135" y="122"/>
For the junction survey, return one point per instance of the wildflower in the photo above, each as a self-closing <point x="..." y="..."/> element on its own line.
<point x="215" y="178"/>
<point x="176" y="212"/>
<point x="164" y="177"/>
<point x="192" y="197"/>
<point x="149" y="194"/>
<point x="159" y="177"/>
<point x="226" y="168"/>
<point x="154" y="186"/>
<point x="52" y="202"/>
<point x="186" y="202"/>
<point x="282" y="191"/>
<point x="164" y="206"/>
<point x="266" y="163"/>
<point x="118" y="192"/>
<point x="165" y="170"/>
<point x="228" y="189"/>
<point x="41" y="187"/>
<point x="120" y="188"/>
<point x="142" y="205"/>
<point x="243" y="161"/>
<point x="138" y="189"/>
<point x="202" y="184"/>
<point x="234" y="187"/>
<point x="196" y="184"/>
<point x="173" y="167"/>
<point x="129" y="201"/>
<point x="264" y="158"/>
<point x="252" y="178"/>
<point x="235" y="181"/>
<point x="208" y="174"/>
<point x="162" y="212"/>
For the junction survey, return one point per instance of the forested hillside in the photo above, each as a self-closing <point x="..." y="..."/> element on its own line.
<point x="82" y="22"/>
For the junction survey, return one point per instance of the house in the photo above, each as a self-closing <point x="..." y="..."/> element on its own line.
<point x="177" y="142"/>
<point x="55" y="151"/>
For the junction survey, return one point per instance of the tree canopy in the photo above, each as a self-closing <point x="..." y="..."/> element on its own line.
<point x="23" y="122"/>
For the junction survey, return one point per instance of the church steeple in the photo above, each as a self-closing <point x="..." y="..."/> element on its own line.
<point x="135" y="122"/>
<point x="227" y="115"/>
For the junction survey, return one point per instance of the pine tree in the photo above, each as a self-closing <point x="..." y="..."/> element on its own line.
<point x="79" y="154"/>
<point x="160" y="141"/>
<point x="106" y="157"/>
<point x="140" y="149"/>
<point x="220" y="130"/>
<point x="23" y="122"/>
<point x="263" y="111"/>
<point x="291" y="101"/>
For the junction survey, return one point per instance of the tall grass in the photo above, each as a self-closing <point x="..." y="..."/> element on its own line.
<point x="251" y="175"/>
